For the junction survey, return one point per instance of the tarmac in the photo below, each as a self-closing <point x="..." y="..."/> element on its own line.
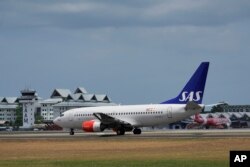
<point x="222" y="133"/>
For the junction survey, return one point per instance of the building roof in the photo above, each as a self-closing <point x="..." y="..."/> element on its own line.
<point x="237" y="114"/>
<point x="81" y="98"/>
<point x="60" y="93"/>
<point x="228" y="115"/>
<point x="247" y="113"/>
<point x="80" y="94"/>
<point x="224" y="115"/>
<point x="80" y="90"/>
<point x="74" y="96"/>
<point x="213" y="115"/>
<point x="3" y="100"/>
<point x="204" y="115"/>
<point x="88" y="97"/>
<point x="101" y="98"/>
<point x="9" y="100"/>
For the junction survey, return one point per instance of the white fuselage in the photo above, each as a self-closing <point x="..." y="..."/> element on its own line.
<point x="136" y="115"/>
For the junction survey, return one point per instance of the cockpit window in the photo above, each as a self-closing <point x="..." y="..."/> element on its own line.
<point x="61" y="115"/>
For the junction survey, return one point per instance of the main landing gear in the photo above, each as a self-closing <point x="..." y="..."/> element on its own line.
<point x="71" y="132"/>
<point x="120" y="131"/>
<point x="137" y="131"/>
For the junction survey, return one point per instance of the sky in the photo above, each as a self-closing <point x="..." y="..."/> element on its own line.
<point x="135" y="51"/>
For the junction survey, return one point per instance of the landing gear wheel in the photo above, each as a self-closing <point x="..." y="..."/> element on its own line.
<point x="120" y="131"/>
<point x="71" y="132"/>
<point x="137" y="131"/>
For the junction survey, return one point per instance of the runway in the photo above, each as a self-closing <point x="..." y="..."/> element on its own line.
<point x="228" y="133"/>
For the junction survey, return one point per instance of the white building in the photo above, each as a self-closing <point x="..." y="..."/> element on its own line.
<point x="59" y="101"/>
<point x="47" y="110"/>
<point x="62" y="100"/>
<point x="80" y="98"/>
<point x="84" y="100"/>
<point x="30" y="104"/>
<point x="8" y="107"/>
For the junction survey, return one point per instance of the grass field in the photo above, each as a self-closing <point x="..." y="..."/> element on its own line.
<point x="119" y="152"/>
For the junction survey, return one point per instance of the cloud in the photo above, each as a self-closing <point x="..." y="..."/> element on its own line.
<point x="129" y="47"/>
<point x="96" y="14"/>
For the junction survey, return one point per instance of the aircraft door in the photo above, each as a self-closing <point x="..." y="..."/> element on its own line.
<point x="70" y="117"/>
<point x="169" y="112"/>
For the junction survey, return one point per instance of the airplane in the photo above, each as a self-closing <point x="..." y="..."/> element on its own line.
<point x="220" y="122"/>
<point x="124" y="118"/>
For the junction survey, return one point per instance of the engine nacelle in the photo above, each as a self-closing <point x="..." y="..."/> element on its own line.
<point x="92" y="126"/>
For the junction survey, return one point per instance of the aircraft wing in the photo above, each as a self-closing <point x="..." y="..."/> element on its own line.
<point x="111" y="122"/>
<point x="187" y="121"/>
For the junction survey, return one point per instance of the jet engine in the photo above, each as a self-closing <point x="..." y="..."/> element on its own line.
<point x="92" y="126"/>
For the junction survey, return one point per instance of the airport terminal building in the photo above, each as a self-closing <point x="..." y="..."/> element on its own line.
<point x="59" y="101"/>
<point x="236" y="108"/>
<point x="62" y="100"/>
<point x="8" y="107"/>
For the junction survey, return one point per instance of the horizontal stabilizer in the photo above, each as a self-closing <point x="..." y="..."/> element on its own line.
<point x="192" y="106"/>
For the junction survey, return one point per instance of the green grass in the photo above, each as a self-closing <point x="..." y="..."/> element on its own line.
<point x="114" y="163"/>
<point x="120" y="153"/>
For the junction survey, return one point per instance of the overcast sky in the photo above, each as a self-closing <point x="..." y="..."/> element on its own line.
<point x="135" y="51"/>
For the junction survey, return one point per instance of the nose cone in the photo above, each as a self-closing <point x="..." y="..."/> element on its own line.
<point x="57" y="121"/>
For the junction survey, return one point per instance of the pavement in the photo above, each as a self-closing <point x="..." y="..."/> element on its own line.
<point x="222" y="133"/>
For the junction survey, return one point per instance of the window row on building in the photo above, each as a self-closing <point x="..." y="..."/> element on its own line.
<point x="8" y="107"/>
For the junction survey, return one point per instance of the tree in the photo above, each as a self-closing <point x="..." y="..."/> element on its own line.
<point x="19" y="117"/>
<point x="38" y="119"/>
<point x="11" y="123"/>
<point x="217" y="108"/>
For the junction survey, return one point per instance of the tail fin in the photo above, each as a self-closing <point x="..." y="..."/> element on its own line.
<point x="194" y="89"/>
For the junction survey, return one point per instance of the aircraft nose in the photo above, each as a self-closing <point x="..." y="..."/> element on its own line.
<point x="57" y="121"/>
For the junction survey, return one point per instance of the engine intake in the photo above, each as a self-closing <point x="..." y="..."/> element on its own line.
<point x="92" y="126"/>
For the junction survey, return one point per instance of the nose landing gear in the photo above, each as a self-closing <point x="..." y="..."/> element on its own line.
<point x="71" y="132"/>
